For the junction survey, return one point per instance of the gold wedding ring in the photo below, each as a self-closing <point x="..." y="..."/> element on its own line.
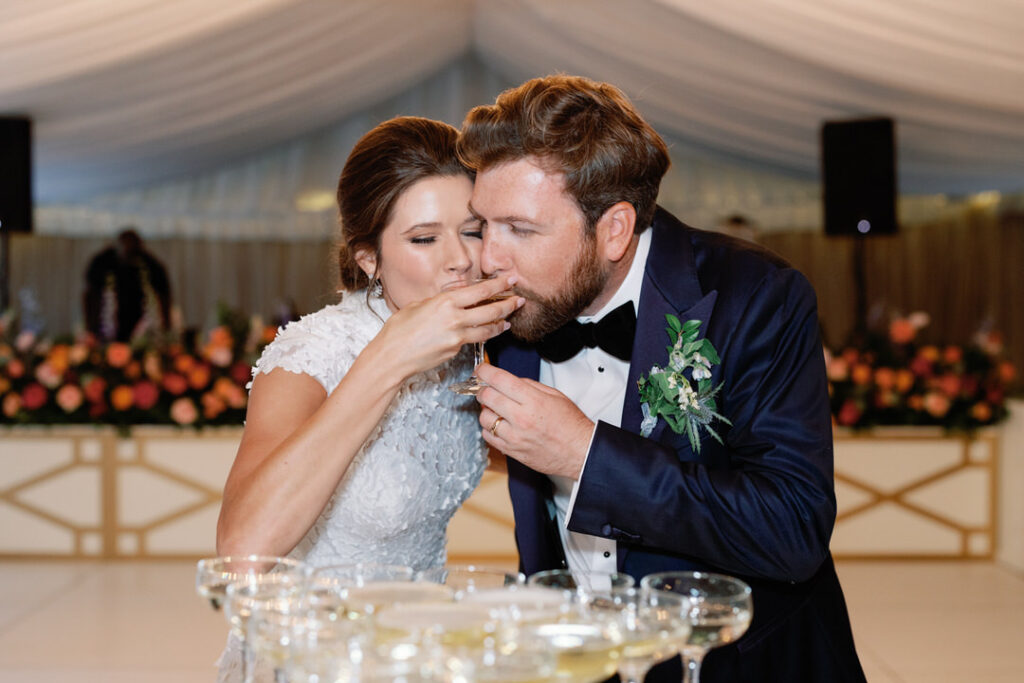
<point x="494" y="427"/>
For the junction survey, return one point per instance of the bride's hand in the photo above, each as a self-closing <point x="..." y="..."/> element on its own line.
<point x="424" y="334"/>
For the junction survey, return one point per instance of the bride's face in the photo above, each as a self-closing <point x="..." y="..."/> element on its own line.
<point x="432" y="239"/>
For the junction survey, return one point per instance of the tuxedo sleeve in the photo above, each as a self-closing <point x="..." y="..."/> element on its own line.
<point x="762" y="504"/>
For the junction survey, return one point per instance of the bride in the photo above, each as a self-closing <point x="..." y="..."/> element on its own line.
<point x="354" y="450"/>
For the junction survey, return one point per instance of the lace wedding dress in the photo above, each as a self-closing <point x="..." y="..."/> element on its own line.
<point x="420" y="463"/>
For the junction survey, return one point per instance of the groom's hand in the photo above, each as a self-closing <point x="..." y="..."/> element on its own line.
<point x="538" y="426"/>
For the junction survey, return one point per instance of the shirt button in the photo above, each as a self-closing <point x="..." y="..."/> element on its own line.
<point x="600" y="368"/>
<point x="607" y="554"/>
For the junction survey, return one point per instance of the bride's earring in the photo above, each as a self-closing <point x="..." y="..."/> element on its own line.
<point x="376" y="288"/>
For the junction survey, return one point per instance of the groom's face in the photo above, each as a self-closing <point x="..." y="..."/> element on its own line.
<point x="533" y="229"/>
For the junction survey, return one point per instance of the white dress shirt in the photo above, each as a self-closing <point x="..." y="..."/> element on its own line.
<point x="596" y="382"/>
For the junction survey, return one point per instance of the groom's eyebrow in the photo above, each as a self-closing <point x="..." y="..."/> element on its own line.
<point x="505" y="220"/>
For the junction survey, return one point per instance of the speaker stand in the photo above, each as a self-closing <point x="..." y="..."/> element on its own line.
<point x="860" y="302"/>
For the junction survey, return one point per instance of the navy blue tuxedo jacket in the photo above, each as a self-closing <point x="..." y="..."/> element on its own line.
<point x="760" y="507"/>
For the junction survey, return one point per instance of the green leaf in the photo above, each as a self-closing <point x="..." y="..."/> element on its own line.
<point x="708" y="351"/>
<point x="691" y="326"/>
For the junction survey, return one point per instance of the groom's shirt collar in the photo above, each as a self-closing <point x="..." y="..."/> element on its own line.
<point x="629" y="289"/>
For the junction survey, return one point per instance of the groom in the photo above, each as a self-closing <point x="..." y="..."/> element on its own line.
<point x="567" y="177"/>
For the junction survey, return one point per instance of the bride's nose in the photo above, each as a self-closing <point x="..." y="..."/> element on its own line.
<point x="458" y="258"/>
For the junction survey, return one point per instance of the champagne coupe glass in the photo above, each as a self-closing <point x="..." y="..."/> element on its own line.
<point x="468" y="578"/>
<point x="270" y="591"/>
<point x="305" y="642"/>
<point x="213" y="574"/>
<point x="583" y="583"/>
<point x="365" y="588"/>
<point x="652" y="624"/>
<point x="586" y="645"/>
<point x="719" y="608"/>
<point x="473" y="385"/>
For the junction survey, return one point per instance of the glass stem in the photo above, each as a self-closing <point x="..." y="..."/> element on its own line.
<point x="691" y="669"/>
<point x="478" y="355"/>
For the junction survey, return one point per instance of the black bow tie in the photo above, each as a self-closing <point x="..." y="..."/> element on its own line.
<point x="613" y="333"/>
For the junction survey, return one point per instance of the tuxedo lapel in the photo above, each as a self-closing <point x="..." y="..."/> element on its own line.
<point x="670" y="287"/>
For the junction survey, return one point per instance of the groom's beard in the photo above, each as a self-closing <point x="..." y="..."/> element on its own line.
<point x="542" y="315"/>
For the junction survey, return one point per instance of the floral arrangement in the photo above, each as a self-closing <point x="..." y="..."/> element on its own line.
<point x="669" y="392"/>
<point x="77" y="380"/>
<point x="893" y="379"/>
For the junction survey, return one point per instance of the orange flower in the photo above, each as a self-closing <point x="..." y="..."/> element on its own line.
<point x="183" y="411"/>
<point x="929" y="353"/>
<point x="220" y="336"/>
<point x="885" y="378"/>
<point x="902" y="331"/>
<point x="59" y="358"/>
<point x="861" y="374"/>
<point x="4" y="384"/>
<point x="118" y="354"/>
<point x="230" y="392"/>
<point x="78" y="353"/>
<point x="915" y="402"/>
<point x="1007" y="372"/>
<point x="199" y="377"/>
<point x="952" y="354"/>
<point x="213" y="405"/>
<point x="11" y="404"/>
<point x="15" y="368"/>
<point x="122" y="397"/>
<point x="269" y="332"/>
<point x="134" y="370"/>
<point x="175" y="383"/>
<point x="904" y="380"/>
<point x="69" y="398"/>
<point x="850" y="356"/>
<point x="184" y="363"/>
<point x="981" y="411"/>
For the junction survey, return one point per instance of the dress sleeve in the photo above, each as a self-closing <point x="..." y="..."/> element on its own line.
<point x="316" y="345"/>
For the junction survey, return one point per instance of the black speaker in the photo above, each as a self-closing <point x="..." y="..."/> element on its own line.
<point x="15" y="174"/>
<point x="858" y="159"/>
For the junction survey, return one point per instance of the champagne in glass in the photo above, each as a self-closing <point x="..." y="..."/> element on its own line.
<point x="585" y="648"/>
<point x="473" y="385"/>
<point x="214" y="574"/>
<point x="719" y="608"/>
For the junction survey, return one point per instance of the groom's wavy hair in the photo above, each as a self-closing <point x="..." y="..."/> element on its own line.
<point x="383" y="164"/>
<point x="587" y="130"/>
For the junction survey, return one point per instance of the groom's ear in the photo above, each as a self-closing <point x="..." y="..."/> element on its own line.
<point x="615" y="230"/>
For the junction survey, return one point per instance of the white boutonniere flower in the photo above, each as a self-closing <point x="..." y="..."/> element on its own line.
<point x="668" y="392"/>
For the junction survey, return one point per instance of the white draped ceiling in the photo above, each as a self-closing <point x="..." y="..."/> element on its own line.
<point x="130" y="94"/>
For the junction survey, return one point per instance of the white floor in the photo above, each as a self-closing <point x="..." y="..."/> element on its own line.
<point x="119" y="623"/>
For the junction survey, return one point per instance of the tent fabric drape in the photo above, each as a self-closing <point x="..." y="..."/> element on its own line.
<point x="131" y="95"/>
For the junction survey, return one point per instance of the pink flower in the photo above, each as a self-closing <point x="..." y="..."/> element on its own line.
<point x="48" y="375"/>
<point x="838" y="369"/>
<point x="936" y="404"/>
<point x="69" y="397"/>
<point x="25" y="340"/>
<point x="183" y="411"/>
<point x="175" y="383"/>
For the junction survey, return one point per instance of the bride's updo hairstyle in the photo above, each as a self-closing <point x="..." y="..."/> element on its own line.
<point x="382" y="165"/>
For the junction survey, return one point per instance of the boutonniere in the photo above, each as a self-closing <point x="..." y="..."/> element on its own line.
<point x="687" y="403"/>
